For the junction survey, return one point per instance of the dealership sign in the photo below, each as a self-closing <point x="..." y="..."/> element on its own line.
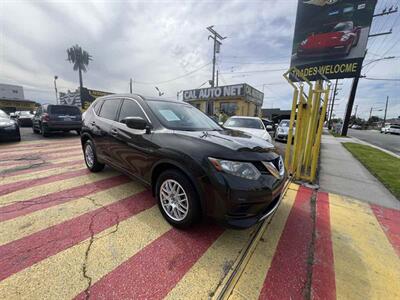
<point x="88" y="96"/>
<point x="330" y="37"/>
<point x="225" y="92"/>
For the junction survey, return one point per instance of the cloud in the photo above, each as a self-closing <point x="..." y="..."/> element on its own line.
<point x="153" y="42"/>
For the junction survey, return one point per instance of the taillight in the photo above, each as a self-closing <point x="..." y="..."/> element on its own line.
<point x="45" y="117"/>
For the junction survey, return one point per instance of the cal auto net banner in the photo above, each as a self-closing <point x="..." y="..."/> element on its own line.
<point x="331" y="37"/>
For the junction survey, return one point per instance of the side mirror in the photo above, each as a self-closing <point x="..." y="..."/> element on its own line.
<point x="269" y="127"/>
<point x="136" y="123"/>
<point x="221" y="123"/>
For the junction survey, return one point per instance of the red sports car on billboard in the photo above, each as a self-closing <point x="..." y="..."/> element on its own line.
<point x="335" y="40"/>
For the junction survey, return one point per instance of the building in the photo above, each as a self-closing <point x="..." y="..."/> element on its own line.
<point x="239" y="99"/>
<point x="275" y="114"/>
<point x="12" y="99"/>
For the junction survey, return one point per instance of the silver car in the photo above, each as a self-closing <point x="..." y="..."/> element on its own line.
<point x="282" y="131"/>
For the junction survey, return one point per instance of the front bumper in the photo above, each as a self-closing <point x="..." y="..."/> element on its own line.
<point x="323" y="52"/>
<point x="241" y="203"/>
<point x="9" y="134"/>
<point x="281" y="137"/>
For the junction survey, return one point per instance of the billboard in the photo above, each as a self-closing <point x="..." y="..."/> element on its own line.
<point x="235" y="91"/>
<point x="331" y="37"/>
<point x="88" y="96"/>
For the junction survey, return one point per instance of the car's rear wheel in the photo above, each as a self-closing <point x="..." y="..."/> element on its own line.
<point x="89" y="152"/>
<point x="44" y="131"/>
<point x="177" y="199"/>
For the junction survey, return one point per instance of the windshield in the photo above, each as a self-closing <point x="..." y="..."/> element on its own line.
<point x="178" y="116"/>
<point x="244" y="123"/>
<point x="24" y="113"/>
<point x="284" y="123"/>
<point x="3" y="114"/>
<point x="342" y="27"/>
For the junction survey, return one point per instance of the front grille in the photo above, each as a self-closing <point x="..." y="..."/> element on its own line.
<point x="263" y="170"/>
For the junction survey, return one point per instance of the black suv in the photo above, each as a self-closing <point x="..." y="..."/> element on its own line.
<point x="51" y="117"/>
<point x="194" y="166"/>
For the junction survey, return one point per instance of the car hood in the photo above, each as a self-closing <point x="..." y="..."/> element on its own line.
<point x="324" y="40"/>
<point x="228" y="144"/>
<point x="256" y="132"/>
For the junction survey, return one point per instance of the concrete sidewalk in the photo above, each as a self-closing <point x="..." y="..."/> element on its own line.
<point x="343" y="174"/>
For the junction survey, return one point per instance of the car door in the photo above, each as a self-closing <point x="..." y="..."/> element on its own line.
<point x="133" y="148"/>
<point x="102" y="125"/>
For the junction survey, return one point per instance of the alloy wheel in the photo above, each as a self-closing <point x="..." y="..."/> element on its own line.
<point x="174" y="200"/>
<point x="89" y="155"/>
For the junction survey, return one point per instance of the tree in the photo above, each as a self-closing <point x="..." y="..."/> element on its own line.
<point x="80" y="58"/>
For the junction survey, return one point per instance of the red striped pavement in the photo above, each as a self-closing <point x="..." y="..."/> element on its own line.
<point x="389" y="219"/>
<point x="287" y="276"/>
<point x="24" y="207"/>
<point x="37" y="159"/>
<point x="47" y="166"/>
<point x="323" y="272"/>
<point x="7" y="155"/>
<point x="154" y="271"/>
<point x="23" y="253"/>
<point x="42" y="145"/>
<point x="23" y="184"/>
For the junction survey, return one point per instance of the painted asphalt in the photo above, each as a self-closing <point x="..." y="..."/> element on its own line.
<point x="67" y="233"/>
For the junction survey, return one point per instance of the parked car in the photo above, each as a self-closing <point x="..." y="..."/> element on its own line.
<point x="194" y="166"/>
<point x="269" y="125"/>
<point x="51" y="117"/>
<point x="24" y="118"/>
<point x="392" y="129"/>
<point x="282" y="131"/>
<point x="355" y="126"/>
<point x="9" y="129"/>
<point x="334" y="40"/>
<point x="250" y="125"/>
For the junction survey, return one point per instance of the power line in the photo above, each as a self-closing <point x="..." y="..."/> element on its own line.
<point x="383" y="79"/>
<point x="254" y="71"/>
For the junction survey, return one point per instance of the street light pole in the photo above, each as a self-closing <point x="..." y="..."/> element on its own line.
<point x="55" y="87"/>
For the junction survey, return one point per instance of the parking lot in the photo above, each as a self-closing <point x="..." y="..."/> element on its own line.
<point x="68" y="233"/>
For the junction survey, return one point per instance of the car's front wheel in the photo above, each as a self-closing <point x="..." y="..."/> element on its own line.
<point x="89" y="152"/>
<point x="177" y="199"/>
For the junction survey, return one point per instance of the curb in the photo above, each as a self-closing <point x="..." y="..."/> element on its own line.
<point x="376" y="147"/>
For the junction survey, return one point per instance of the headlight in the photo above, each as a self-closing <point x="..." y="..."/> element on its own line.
<point x="7" y="124"/>
<point x="266" y="136"/>
<point x="280" y="129"/>
<point x="236" y="168"/>
<point x="345" y="37"/>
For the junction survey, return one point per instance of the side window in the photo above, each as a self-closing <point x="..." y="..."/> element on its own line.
<point x="130" y="109"/>
<point x="109" y="109"/>
<point x="97" y="106"/>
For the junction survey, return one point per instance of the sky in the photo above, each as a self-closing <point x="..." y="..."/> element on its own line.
<point x="165" y="44"/>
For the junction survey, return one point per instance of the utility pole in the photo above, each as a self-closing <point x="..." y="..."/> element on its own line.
<point x="357" y="77"/>
<point x="384" y="118"/>
<point x="130" y="85"/>
<point x="217" y="77"/>
<point x="55" y="87"/>
<point x="355" y="112"/>
<point x="217" y="46"/>
<point x="370" y="113"/>
<point x="332" y="104"/>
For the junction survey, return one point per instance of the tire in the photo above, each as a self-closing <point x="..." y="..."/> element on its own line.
<point x="44" y="131"/>
<point x="91" y="163"/>
<point x="182" y="218"/>
<point x="34" y="129"/>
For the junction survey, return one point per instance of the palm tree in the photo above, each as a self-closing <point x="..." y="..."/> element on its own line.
<point x="80" y="58"/>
